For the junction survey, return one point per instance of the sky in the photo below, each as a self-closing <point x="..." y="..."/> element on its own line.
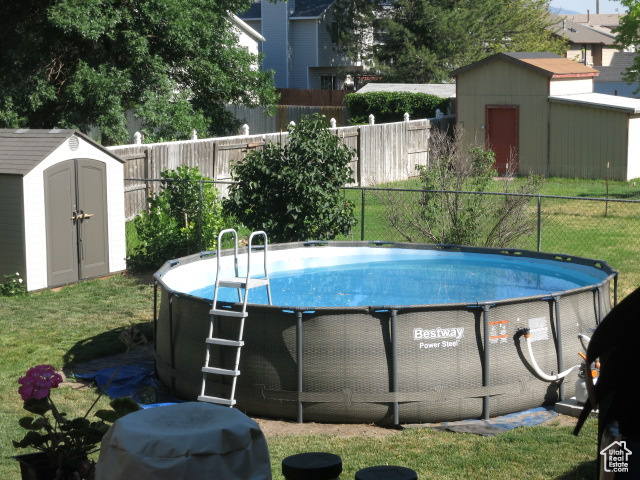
<point x="581" y="6"/>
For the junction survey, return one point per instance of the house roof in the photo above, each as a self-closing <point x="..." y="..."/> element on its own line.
<point x="302" y="9"/>
<point x="581" y="33"/>
<point x="21" y="150"/>
<point x="600" y="100"/>
<point x="444" y="90"/>
<point x="545" y="63"/>
<point x="606" y="20"/>
<point x="615" y="72"/>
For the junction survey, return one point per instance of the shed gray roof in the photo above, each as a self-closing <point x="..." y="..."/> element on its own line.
<point x="21" y="150"/>
<point x="600" y="100"/>
<point x="444" y="90"/>
<point x="303" y="9"/>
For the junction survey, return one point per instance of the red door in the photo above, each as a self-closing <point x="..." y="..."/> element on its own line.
<point x="501" y="136"/>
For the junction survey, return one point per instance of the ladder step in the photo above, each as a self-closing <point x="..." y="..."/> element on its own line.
<point x="225" y="342"/>
<point x="221" y="371"/>
<point x="222" y="312"/>
<point x="221" y="401"/>
<point x="241" y="282"/>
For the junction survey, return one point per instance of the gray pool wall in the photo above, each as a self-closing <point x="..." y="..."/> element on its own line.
<point x="384" y="364"/>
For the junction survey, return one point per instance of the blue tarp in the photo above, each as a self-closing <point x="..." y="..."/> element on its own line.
<point x="128" y="381"/>
<point x="526" y="418"/>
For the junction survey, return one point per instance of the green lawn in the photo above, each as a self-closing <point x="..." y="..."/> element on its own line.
<point x="81" y="322"/>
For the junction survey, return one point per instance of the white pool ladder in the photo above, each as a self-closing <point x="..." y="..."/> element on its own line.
<point x="245" y="283"/>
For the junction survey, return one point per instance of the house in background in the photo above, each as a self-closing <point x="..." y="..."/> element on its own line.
<point x="247" y="36"/>
<point x="589" y="45"/>
<point x="298" y="44"/>
<point x="538" y="113"/>
<point x="611" y="79"/>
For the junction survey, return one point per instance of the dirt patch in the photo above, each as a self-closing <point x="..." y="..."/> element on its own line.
<point x="272" y="428"/>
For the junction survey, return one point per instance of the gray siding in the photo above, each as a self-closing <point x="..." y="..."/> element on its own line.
<point x="326" y="53"/>
<point x="12" y="253"/>
<point x="304" y="42"/>
<point x="275" y="30"/>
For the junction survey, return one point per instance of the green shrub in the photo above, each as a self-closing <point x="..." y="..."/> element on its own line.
<point x="391" y="106"/>
<point x="183" y="218"/>
<point x="292" y="192"/>
<point x="12" y="286"/>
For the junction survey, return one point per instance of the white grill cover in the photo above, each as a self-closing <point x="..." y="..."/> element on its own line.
<point x="193" y="440"/>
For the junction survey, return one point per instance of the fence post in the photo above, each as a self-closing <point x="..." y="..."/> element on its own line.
<point x="372" y="119"/>
<point x="362" y="214"/>
<point x="406" y="116"/>
<point x="200" y="218"/>
<point x="137" y="138"/>
<point x="539" y="223"/>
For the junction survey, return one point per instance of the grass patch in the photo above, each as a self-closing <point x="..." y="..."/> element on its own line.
<point x="540" y="452"/>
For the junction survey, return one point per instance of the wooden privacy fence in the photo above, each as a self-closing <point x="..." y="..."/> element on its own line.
<point x="381" y="153"/>
<point x="259" y="122"/>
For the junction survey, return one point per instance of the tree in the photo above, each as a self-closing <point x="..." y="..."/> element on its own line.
<point x="422" y="41"/>
<point x="292" y="192"/>
<point x="173" y="63"/>
<point x="628" y="35"/>
<point x="451" y="209"/>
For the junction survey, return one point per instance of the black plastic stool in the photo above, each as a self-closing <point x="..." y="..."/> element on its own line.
<point x="386" y="472"/>
<point x="312" y="466"/>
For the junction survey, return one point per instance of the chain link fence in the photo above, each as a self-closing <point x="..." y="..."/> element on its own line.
<point x="598" y="228"/>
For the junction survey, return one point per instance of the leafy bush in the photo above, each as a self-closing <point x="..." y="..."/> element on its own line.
<point x="293" y="192"/>
<point x="12" y="286"/>
<point x="183" y="218"/>
<point x="391" y="106"/>
<point x="450" y="212"/>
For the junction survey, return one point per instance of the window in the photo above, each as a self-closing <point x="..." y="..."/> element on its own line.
<point x="328" y="82"/>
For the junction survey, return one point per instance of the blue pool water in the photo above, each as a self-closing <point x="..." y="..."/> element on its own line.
<point x="436" y="279"/>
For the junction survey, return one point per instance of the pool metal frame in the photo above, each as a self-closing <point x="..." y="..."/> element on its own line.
<point x="171" y="372"/>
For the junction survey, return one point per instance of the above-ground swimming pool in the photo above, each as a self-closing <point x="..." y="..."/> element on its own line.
<point x="385" y="333"/>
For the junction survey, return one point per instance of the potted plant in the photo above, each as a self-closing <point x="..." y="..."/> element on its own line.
<point x="63" y="444"/>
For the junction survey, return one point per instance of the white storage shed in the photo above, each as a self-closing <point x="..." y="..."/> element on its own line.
<point x="62" y="207"/>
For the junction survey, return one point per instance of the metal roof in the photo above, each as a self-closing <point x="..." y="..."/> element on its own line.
<point x="444" y="90"/>
<point x="302" y="9"/>
<point x="545" y="63"/>
<point x="22" y="149"/>
<point x="600" y="100"/>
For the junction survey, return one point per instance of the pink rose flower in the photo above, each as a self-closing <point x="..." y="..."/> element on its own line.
<point x="38" y="382"/>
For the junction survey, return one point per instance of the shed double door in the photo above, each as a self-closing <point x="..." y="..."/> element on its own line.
<point x="76" y="221"/>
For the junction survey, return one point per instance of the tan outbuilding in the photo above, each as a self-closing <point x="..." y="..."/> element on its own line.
<point x="538" y="113"/>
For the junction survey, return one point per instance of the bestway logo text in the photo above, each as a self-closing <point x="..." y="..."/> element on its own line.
<point x="438" y="333"/>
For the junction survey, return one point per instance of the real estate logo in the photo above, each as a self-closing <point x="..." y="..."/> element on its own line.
<point x="615" y="457"/>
